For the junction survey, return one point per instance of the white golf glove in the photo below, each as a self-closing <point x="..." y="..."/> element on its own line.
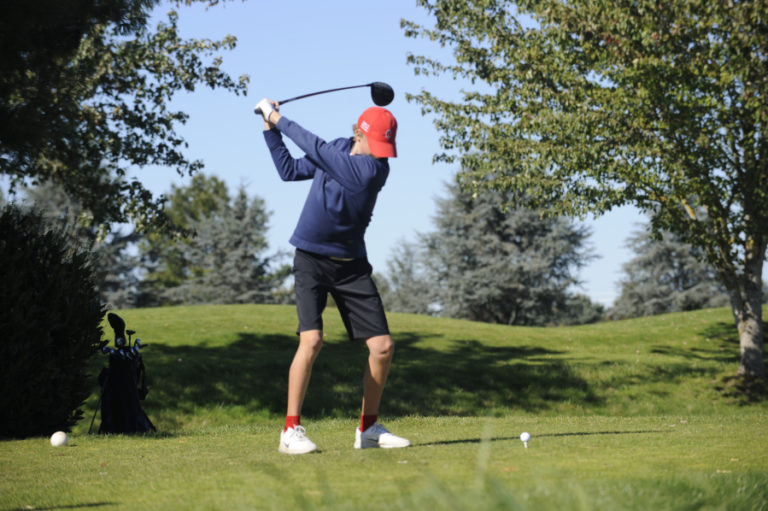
<point x="264" y="107"/>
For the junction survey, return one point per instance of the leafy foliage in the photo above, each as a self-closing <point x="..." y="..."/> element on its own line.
<point x="586" y="105"/>
<point x="50" y="318"/>
<point x="84" y="94"/>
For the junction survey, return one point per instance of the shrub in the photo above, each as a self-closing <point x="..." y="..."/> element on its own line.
<point x="50" y="324"/>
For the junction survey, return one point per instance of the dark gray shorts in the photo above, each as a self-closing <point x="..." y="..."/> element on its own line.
<point x="350" y="284"/>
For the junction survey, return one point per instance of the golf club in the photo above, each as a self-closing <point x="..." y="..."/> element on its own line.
<point x="118" y="325"/>
<point x="381" y="94"/>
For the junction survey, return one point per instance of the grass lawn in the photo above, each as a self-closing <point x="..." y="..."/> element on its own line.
<point x="639" y="414"/>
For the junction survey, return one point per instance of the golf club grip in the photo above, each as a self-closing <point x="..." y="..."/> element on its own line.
<point x="322" y="92"/>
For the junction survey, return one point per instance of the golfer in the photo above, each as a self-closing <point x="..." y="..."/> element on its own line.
<point x="346" y="174"/>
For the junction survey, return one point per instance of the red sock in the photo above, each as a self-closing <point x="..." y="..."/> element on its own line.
<point x="291" y="421"/>
<point x="366" y="421"/>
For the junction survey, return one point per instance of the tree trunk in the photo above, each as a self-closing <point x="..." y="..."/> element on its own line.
<point x="748" y="313"/>
<point x="750" y="325"/>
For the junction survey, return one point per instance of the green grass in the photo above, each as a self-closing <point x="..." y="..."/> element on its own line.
<point x="638" y="414"/>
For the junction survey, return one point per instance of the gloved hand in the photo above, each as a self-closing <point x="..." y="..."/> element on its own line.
<point x="264" y="107"/>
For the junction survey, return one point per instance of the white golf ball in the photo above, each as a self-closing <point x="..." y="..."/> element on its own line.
<point x="525" y="436"/>
<point x="59" y="438"/>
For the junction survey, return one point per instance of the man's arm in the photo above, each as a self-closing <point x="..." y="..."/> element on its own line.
<point x="352" y="172"/>
<point x="288" y="167"/>
<point x="274" y="117"/>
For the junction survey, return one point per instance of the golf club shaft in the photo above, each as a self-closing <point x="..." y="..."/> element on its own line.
<point x="323" y="92"/>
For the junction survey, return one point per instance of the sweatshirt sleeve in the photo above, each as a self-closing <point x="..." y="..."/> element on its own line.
<point x="352" y="172"/>
<point x="288" y="167"/>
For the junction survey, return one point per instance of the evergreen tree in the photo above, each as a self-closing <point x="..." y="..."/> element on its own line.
<point x="116" y="269"/>
<point x="163" y="259"/>
<point x="50" y="317"/>
<point x="222" y="259"/>
<point x="113" y="262"/>
<point x="408" y="289"/>
<point x="486" y="262"/>
<point x="666" y="275"/>
<point x="580" y="310"/>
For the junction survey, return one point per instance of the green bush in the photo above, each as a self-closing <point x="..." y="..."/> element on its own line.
<point x="50" y="324"/>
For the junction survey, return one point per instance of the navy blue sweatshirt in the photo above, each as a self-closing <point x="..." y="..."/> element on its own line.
<point x="344" y="188"/>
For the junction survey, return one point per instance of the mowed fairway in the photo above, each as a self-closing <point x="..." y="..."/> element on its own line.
<point x="637" y="414"/>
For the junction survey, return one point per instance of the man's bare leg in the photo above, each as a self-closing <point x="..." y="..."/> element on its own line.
<point x="292" y="439"/>
<point x="300" y="372"/>
<point x="381" y="349"/>
<point x="368" y="435"/>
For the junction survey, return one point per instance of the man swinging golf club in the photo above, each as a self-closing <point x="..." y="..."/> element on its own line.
<point x="346" y="174"/>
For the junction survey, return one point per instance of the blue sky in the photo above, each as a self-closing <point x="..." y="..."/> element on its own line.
<point x="294" y="47"/>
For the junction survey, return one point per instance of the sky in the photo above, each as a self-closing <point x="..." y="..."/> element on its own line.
<point x="290" y="48"/>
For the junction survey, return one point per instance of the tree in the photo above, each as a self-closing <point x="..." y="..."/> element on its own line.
<point x="666" y="275"/>
<point x="221" y="260"/>
<point x="84" y="92"/>
<point x="163" y="257"/>
<point x="50" y="325"/>
<point x="487" y="263"/>
<point x="112" y="263"/>
<point x="580" y="310"/>
<point x="590" y="105"/>
<point x="407" y="288"/>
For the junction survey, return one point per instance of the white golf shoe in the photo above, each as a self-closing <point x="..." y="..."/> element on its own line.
<point x="378" y="436"/>
<point x="294" y="441"/>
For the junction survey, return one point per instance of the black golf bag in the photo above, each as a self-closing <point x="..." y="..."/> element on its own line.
<point x="123" y="385"/>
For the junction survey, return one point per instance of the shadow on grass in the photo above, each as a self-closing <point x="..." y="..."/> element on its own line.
<point x="69" y="506"/>
<point x="727" y="336"/>
<point x="724" y="345"/>
<point x="470" y="378"/>
<point x="459" y="378"/>
<point x="743" y="390"/>
<point x="739" y="389"/>
<point x="545" y="435"/>
<point x="722" y="348"/>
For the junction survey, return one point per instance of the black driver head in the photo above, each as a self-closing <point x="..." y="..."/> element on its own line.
<point x="381" y="93"/>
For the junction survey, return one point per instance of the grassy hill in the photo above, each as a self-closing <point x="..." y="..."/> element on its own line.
<point x="228" y="364"/>
<point x="629" y="415"/>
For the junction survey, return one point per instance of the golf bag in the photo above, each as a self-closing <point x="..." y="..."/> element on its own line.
<point x="123" y="385"/>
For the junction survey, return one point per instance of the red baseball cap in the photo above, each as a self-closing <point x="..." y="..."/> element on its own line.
<point x="380" y="128"/>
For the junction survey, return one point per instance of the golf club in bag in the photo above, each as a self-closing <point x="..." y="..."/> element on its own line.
<point x="123" y="384"/>
<point x="381" y="94"/>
